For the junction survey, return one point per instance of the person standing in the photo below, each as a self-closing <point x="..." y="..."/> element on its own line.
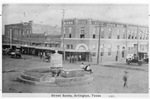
<point x="125" y="79"/>
<point x="82" y="66"/>
<point x="79" y="58"/>
<point x="41" y="55"/>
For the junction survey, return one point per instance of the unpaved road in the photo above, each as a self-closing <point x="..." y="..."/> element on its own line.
<point x="107" y="79"/>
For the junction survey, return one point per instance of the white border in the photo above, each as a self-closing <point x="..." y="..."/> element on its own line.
<point x="69" y="2"/>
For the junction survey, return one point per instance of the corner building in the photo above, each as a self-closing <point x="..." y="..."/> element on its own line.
<point x="115" y="40"/>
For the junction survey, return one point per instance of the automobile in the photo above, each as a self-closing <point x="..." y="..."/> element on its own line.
<point x="131" y="58"/>
<point x="146" y="59"/>
<point x="16" y="53"/>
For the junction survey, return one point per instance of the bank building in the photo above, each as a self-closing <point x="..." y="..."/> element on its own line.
<point x="103" y="41"/>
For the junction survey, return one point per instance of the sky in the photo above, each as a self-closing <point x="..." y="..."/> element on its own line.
<point x="52" y="13"/>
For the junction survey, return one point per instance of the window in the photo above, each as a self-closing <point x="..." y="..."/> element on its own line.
<point x="140" y="35"/>
<point x="64" y="30"/>
<point x="102" y="32"/>
<point x="69" y="35"/>
<point x="82" y="31"/>
<point x="117" y="50"/>
<point x="70" y="29"/>
<point x="93" y="35"/>
<point x="68" y="46"/>
<point x="109" y="49"/>
<point x="143" y="36"/>
<point x="82" y="36"/>
<point x="71" y="46"/>
<point x="93" y="47"/>
<point x="129" y="35"/>
<point x="94" y="30"/>
<point x="123" y="52"/>
<point x="123" y="34"/>
<point x="102" y="50"/>
<point x="135" y="34"/>
<point x="118" y="36"/>
<point x="64" y="35"/>
<point x="109" y="33"/>
<point x="132" y="33"/>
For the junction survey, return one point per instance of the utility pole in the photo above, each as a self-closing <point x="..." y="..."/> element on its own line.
<point x="63" y="34"/>
<point x="98" y="44"/>
<point x="10" y="31"/>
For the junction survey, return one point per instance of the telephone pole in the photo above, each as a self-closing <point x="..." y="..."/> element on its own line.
<point x="63" y="34"/>
<point x="98" y="44"/>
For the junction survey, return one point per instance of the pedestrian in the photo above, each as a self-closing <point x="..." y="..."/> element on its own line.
<point x="82" y="66"/>
<point x="41" y="55"/>
<point x="125" y="79"/>
<point x="88" y="68"/>
<point x="70" y="58"/>
<point x="79" y="58"/>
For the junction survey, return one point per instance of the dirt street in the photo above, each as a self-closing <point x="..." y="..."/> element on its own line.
<point x="107" y="79"/>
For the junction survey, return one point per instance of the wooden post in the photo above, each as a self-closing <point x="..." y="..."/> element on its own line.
<point x="98" y="44"/>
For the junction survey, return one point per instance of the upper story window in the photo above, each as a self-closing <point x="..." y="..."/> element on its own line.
<point x="118" y="36"/>
<point x="102" y="50"/>
<point x="70" y="29"/>
<point x="64" y="30"/>
<point x="109" y="33"/>
<point x="68" y="22"/>
<point x="102" y="32"/>
<point x="140" y="35"/>
<point x="135" y="34"/>
<point x="123" y="33"/>
<point x="132" y="33"/>
<point x="129" y="34"/>
<point x="82" y="35"/>
<point x="82" y="31"/>
<point x="109" y="49"/>
<point x="93" y="35"/>
<point x="69" y="35"/>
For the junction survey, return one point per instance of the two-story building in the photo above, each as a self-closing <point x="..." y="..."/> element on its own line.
<point x="97" y="40"/>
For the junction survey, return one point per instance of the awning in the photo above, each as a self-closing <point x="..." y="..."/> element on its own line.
<point x="144" y="52"/>
<point x="69" y="50"/>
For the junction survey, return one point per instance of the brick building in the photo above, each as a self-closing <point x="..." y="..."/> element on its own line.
<point x="115" y="40"/>
<point x="28" y="33"/>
